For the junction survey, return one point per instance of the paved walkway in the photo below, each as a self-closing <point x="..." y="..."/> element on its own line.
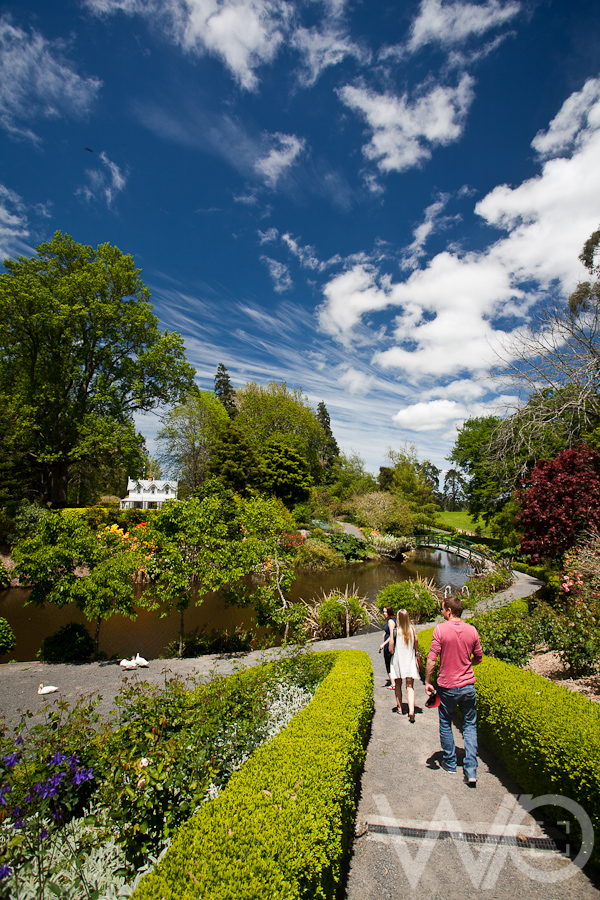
<point x="402" y="787"/>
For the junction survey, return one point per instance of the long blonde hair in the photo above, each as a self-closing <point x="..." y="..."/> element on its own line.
<point x="404" y="626"/>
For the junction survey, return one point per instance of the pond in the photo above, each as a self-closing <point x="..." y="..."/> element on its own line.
<point x="148" y="634"/>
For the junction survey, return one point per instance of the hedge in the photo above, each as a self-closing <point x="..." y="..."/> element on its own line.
<point x="282" y="825"/>
<point x="546" y="737"/>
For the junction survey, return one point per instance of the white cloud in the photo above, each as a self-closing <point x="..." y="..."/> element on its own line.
<point x="579" y="111"/>
<point x="279" y="273"/>
<point x="355" y="381"/>
<point x="269" y="236"/>
<point x="430" y="416"/>
<point x="404" y="131"/>
<point x="243" y="33"/>
<point x="14" y="227"/>
<point x="449" y="311"/>
<point x="37" y="81"/>
<point x="450" y="24"/>
<point x="279" y="158"/>
<point x="104" y="182"/>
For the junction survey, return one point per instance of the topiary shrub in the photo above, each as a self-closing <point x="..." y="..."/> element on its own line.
<point x="70" y="643"/>
<point x="506" y="633"/>
<point x="7" y="637"/>
<point x="416" y="597"/>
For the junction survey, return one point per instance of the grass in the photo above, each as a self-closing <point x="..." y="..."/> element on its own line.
<point x="462" y="519"/>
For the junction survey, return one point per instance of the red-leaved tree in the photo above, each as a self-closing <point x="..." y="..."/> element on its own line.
<point x="560" y="502"/>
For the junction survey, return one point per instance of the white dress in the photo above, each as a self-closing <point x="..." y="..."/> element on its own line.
<point x="404" y="663"/>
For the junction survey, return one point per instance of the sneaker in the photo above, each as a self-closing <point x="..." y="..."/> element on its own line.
<point x="471" y="780"/>
<point x="447" y="768"/>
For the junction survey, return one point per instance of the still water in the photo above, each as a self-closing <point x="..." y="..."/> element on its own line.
<point x="148" y="634"/>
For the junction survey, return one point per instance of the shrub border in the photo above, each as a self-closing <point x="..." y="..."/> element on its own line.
<point x="281" y="827"/>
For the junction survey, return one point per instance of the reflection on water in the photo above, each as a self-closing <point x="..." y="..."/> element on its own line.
<point x="149" y="634"/>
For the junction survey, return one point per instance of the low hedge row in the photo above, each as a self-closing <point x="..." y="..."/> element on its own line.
<point x="546" y="737"/>
<point x="282" y="825"/>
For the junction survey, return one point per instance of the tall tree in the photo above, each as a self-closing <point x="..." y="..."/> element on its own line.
<point x="412" y="482"/>
<point x="328" y="450"/>
<point x="485" y="489"/>
<point x="188" y="435"/>
<point x="80" y="353"/>
<point x="224" y="391"/>
<point x="454" y="490"/>
<point x="236" y="464"/>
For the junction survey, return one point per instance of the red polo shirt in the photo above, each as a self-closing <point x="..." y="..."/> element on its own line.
<point x="456" y="642"/>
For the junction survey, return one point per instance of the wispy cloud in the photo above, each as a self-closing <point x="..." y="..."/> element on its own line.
<point x="279" y="273"/>
<point x="14" y="226"/>
<point x="403" y="129"/>
<point x="433" y="221"/>
<point x="105" y="182"/>
<point x="450" y="24"/>
<point x="36" y="80"/>
<point x="571" y="125"/>
<point x="324" y="47"/>
<point x="283" y="154"/>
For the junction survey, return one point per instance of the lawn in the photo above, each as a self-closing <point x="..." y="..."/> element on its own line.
<point x="461" y="519"/>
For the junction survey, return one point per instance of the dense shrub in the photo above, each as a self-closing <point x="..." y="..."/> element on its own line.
<point x="70" y="643"/>
<point x="506" y="633"/>
<point x="498" y="579"/>
<point x="282" y="825"/>
<point x="7" y="637"/>
<point x="414" y="596"/>
<point x="353" y="549"/>
<point x="316" y="554"/>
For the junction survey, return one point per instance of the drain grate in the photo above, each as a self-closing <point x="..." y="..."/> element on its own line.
<point x="491" y="840"/>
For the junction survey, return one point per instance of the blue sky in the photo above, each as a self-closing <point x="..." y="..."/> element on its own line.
<point x="356" y="198"/>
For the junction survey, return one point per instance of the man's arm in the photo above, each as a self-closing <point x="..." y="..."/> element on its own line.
<point x="429" y="670"/>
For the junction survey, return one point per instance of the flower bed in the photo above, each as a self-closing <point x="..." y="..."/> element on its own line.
<point x="282" y="825"/>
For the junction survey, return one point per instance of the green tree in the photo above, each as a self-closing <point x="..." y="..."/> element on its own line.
<point x="288" y="473"/>
<point x="411" y="481"/>
<point x="485" y="489"/>
<point x="224" y="391"/>
<point x="80" y="353"/>
<point x="385" y="512"/>
<point x="235" y="462"/>
<point x="188" y="435"/>
<point x="276" y="413"/>
<point x="349" y="477"/>
<point x="53" y="558"/>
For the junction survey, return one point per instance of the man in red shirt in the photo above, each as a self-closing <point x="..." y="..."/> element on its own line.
<point x="457" y="644"/>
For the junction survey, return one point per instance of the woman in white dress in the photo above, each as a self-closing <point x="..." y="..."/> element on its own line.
<point x="404" y="646"/>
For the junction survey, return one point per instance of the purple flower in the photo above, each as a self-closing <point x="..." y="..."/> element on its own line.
<point x="5" y="789"/>
<point x="73" y="760"/>
<point x="56" y="779"/>
<point x="43" y="834"/>
<point x="81" y="776"/>
<point x="56" y="759"/>
<point x="11" y="760"/>
<point x="5" y="871"/>
<point x="16" y="814"/>
<point x="19" y="741"/>
<point x="46" y="789"/>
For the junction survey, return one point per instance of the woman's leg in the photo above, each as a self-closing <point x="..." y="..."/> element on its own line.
<point x="410" y="693"/>
<point x="398" y="689"/>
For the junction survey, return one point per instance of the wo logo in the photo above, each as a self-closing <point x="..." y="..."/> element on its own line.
<point x="484" y="867"/>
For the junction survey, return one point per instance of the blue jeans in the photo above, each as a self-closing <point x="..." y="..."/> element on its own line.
<point x="466" y="700"/>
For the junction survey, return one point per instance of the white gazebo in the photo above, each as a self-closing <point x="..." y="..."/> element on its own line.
<point x="148" y="493"/>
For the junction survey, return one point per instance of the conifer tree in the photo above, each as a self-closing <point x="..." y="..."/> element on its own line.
<point x="224" y="391"/>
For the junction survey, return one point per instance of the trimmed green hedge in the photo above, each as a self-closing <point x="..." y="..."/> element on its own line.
<point x="546" y="737"/>
<point x="282" y="825"/>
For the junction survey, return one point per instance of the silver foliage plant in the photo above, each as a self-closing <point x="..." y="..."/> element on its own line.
<point x="87" y="860"/>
